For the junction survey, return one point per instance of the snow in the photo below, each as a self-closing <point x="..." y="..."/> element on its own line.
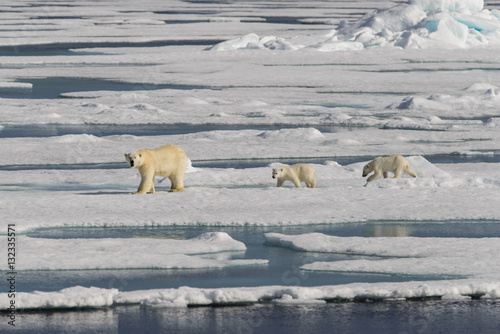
<point x="101" y="198"/>
<point x="67" y="298"/>
<point x="189" y="296"/>
<point x="417" y="79"/>
<point x="287" y="295"/>
<point x="87" y="254"/>
<point x="452" y="257"/>
<point x="417" y="24"/>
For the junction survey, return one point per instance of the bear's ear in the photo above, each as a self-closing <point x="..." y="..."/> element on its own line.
<point x="126" y="155"/>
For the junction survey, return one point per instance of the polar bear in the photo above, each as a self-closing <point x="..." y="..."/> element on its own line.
<point x="169" y="161"/>
<point x="296" y="173"/>
<point x="382" y="165"/>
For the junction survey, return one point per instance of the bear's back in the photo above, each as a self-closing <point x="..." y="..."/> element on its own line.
<point x="301" y="168"/>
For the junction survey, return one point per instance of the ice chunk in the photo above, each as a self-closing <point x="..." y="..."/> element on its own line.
<point x="187" y="296"/>
<point x="415" y="102"/>
<point x="416" y="24"/>
<point x="481" y="87"/>
<point x="309" y="134"/>
<point x="67" y="298"/>
<point x="247" y="41"/>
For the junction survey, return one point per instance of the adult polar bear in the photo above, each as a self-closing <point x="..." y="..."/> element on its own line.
<point x="296" y="173"/>
<point x="168" y="161"/>
<point x="382" y="165"/>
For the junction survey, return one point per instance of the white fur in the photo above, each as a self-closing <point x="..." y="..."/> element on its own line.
<point x="168" y="161"/>
<point x="382" y="165"/>
<point x="296" y="173"/>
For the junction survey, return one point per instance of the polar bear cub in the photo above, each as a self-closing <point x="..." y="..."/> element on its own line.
<point x="168" y="161"/>
<point x="382" y="165"/>
<point x="296" y="173"/>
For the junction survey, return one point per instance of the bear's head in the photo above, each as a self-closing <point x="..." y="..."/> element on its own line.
<point x="367" y="169"/>
<point x="277" y="172"/>
<point x="134" y="159"/>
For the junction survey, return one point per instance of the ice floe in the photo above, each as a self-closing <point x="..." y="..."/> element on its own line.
<point x="448" y="257"/>
<point x="434" y="102"/>
<point x="118" y="253"/>
<point x="102" y="197"/>
<point x="74" y="297"/>
<point x="81" y="297"/>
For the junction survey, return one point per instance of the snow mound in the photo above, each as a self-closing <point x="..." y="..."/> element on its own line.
<point x="422" y="24"/>
<point x="425" y="168"/>
<point x="476" y="101"/>
<point x="418" y="24"/>
<point x="74" y="139"/>
<point x="309" y="134"/>
<point x="419" y="103"/>
<point x="481" y="87"/>
<point x="250" y="41"/>
<point x="401" y="122"/>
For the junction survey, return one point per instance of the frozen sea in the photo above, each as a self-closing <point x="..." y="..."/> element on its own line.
<point x="244" y="87"/>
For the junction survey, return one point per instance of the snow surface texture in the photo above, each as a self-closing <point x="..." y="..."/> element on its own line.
<point x="87" y="254"/>
<point x="187" y="296"/>
<point x="418" y="24"/>
<point x="358" y="103"/>
<point x="402" y="256"/>
<point x="339" y="197"/>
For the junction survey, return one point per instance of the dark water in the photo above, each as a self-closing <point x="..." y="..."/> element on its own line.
<point x="53" y="87"/>
<point x="62" y="48"/>
<point x="283" y="267"/>
<point x="102" y="130"/>
<point x="386" y="317"/>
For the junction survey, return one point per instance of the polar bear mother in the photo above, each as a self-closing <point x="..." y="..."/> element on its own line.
<point x="168" y="161"/>
<point x="382" y="165"/>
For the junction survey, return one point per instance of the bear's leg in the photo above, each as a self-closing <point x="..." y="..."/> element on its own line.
<point x="280" y="182"/>
<point x="375" y="176"/>
<point x="311" y="183"/>
<point x="152" y="189"/>
<point x="177" y="183"/>
<point x="296" y="182"/>
<point x="177" y="179"/>
<point x="147" y="183"/>
<point x="386" y="174"/>
<point x="397" y="173"/>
